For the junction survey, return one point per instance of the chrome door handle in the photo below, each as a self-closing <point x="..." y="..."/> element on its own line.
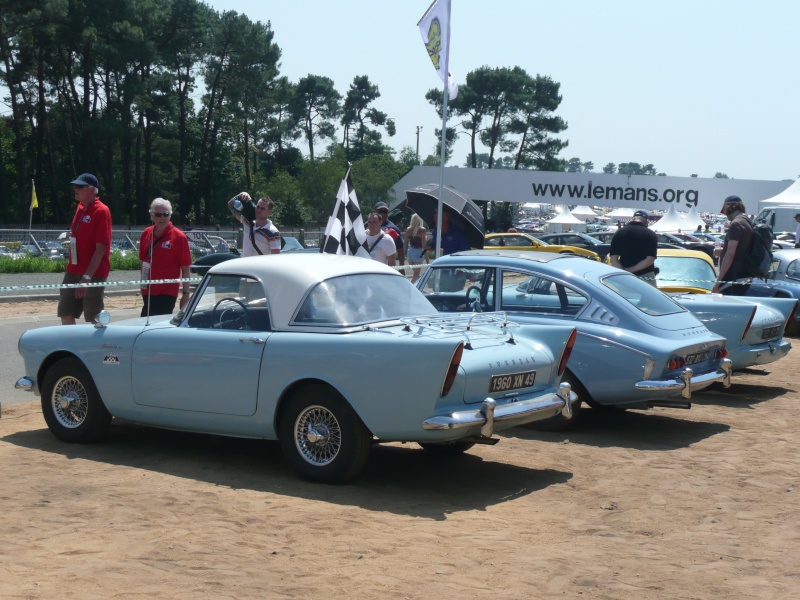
<point x="255" y="340"/>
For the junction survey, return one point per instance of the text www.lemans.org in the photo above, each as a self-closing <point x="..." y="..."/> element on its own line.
<point x="600" y="192"/>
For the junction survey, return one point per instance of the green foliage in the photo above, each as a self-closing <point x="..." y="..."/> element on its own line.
<point x="129" y="262"/>
<point x="31" y="264"/>
<point x="290" y="210"/>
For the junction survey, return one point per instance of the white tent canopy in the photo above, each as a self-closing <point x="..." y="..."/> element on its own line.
<point x="789" y="196"/>
<point x="584" y="213"/>
<point x="565" y="221"/>
<point x="678" y="221"/>
<point x="621" y="213"/>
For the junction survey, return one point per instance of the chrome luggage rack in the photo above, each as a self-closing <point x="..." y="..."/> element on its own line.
<point x="462" y="324"/>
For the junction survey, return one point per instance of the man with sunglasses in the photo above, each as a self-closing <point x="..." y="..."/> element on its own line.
<point x="89" y="254"/>
<point x="260" y="235"/>
<point x="165" y="254"/>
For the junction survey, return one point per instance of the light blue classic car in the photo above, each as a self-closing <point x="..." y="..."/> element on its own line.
<point x="636" y="347"/>
<point x="297" y="348"/>
<point x="754" y="325"/>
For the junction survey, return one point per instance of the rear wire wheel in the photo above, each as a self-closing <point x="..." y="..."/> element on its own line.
<point x="322" y="437"/>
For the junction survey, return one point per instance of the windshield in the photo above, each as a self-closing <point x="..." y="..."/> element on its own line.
<point x="360" y="299"/>
<point x="682" y="271"/>
<point x="642" y="295"/>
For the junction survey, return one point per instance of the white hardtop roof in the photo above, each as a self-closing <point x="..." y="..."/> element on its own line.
<point x="287" y="277"/>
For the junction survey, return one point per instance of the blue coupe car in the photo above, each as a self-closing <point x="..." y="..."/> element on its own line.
<point x="636" y="347"/>
<point x="295" y="347"/>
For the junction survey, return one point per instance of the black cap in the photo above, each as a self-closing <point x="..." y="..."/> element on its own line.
<point x="86" y="179"/>
<point x="733" y="198"/>
<point x="641" y="213"/>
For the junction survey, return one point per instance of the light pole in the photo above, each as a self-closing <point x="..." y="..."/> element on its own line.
<point x="418" y="128"/>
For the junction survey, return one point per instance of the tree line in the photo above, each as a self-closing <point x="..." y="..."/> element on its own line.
<point x="171" y="98"/>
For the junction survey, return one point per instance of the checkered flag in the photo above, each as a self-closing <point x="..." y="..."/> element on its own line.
<point x="345" y="233"/>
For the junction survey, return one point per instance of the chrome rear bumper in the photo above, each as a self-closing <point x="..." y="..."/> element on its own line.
<point x="688" y="381"/>
<point x="522" y="411"/>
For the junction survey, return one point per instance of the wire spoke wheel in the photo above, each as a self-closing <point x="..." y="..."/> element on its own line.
<point x="70" y="402"/>
<point x="317" y="435"/>
<point x="71" y="405"/>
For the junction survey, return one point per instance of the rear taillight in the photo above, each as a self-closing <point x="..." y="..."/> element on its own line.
<point x="676" y="362"/>
<point x="749" y="322"/>
<point x="721" y="353"/>
<point x="562" y="364"/>
<point x="452" y="370"/>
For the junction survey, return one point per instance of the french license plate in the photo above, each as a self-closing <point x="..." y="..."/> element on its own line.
<point x="512" y="381"/>
<point x="693" y="359"/>
<point x="770" y="332"/>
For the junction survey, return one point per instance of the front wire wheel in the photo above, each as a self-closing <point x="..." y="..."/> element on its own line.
<point x="71" y="404"/>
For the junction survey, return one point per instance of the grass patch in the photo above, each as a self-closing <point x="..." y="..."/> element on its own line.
<point x="40" y="264"/>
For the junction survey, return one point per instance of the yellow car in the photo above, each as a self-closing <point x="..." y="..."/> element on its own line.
<point x="524" y="241"/>
<point x="685" y="271"/>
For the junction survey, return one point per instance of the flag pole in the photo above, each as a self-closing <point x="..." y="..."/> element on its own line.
<point x="30" y="210"/>
<point x="442" y="153"/>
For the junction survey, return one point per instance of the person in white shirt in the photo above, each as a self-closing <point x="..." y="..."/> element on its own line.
<point x="260" y="235"/>
<point x="380" y="245"/>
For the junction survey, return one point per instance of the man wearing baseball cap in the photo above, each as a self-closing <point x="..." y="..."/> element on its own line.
<point x="89" y="253"/>
<point x="634" y="248"/>
<point x="735" y="249"/>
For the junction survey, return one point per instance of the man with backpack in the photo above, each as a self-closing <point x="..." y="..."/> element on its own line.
<point x="735" y="251"/>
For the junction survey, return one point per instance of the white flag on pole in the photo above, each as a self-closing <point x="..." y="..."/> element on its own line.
<point x="345" y="232"/>
<point x="435" y="29"/>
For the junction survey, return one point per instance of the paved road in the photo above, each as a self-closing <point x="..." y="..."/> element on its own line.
<point x="11" y="367"/>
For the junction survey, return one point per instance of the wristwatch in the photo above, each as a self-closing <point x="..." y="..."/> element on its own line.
<point x="87" y="277"/>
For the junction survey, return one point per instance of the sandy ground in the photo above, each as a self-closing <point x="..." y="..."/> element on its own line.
<point x="658" y="504"/>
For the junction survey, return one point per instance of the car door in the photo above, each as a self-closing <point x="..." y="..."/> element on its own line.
<point x="212" y="362"/>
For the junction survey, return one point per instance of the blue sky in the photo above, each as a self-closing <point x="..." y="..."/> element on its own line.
<point x="689" y="86"/>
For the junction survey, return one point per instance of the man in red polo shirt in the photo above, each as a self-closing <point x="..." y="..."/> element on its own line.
<point x="164" y="252"/>
<point x="89" y="254"/>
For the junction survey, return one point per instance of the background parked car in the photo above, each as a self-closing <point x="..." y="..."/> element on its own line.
<point x="578" y="240"/>
<point x="684" y="240"/>
<point x="527" y="242"/>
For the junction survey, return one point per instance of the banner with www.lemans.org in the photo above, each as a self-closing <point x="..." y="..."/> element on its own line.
<point x="595" y="189"/>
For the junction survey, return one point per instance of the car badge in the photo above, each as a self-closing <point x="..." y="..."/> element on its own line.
<point x="111" y="359"/>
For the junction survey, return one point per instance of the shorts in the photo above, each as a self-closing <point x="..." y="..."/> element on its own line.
<point x="160" y="304"/>
<point x="415" y="256"/>
<point x="90" y="305"/>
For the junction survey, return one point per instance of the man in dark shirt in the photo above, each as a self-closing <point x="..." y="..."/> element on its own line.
<point x="634" y="248"/>
<point x="737" y="246"/>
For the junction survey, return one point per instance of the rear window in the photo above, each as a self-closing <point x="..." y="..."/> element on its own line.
<point x="642" y="295"/>
<point x="361" y="299"/>
<point x="685" y="272"/>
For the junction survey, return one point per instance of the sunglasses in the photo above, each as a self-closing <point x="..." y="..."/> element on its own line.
<point x="155" y="214"/>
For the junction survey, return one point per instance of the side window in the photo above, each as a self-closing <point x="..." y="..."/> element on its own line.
<point x="523" y="292"/>
<point x="447" y="289"/>
<point x="231" y="302"/>
<point x="517" y="240"/>
<point x="492" y="242"/>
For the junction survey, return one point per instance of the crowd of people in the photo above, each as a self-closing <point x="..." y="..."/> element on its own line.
<point x="166" y="257"/>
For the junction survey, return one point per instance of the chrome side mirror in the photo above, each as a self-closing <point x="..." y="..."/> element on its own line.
<point x="102" y="319"/>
